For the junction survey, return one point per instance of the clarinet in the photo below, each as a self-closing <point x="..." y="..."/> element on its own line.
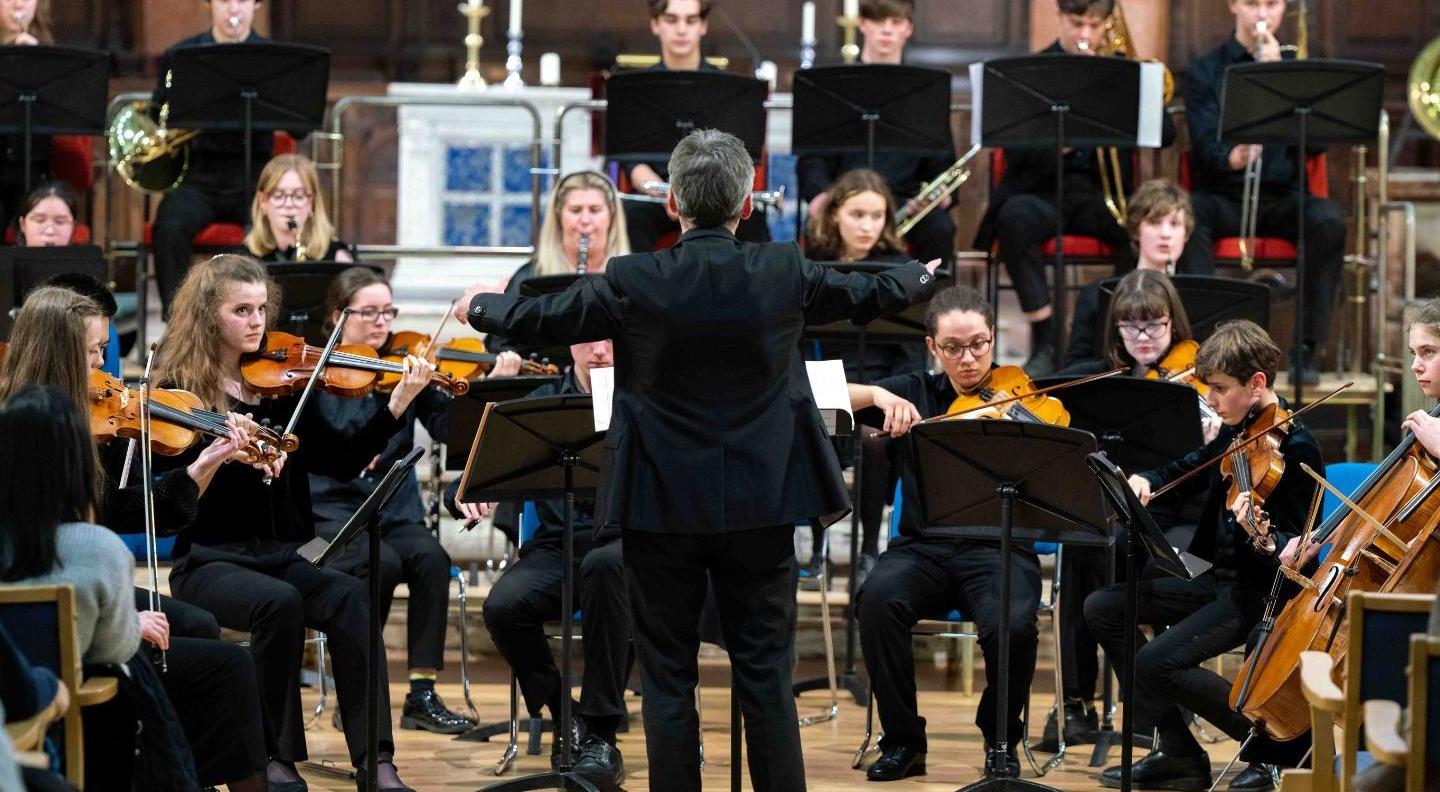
<point x="582" y="257"/>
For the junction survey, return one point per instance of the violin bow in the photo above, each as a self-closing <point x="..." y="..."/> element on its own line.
<point x="433" y="349"/>
<point x="1009" y="399"/>
<point x="1245" y="443"/>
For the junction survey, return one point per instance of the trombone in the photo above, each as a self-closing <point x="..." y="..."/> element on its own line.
<point x="1250" y="187"/>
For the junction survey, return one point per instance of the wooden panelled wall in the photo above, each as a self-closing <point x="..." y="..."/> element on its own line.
<point x="375" y="41"/>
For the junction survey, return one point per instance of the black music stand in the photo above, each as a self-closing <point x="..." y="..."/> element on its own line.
<point x="1140" y="530"/>
<point x="321" y="553"/>
<point x="1208" y="301"/>
<point x="907" y="325"/>
<point x="1301" y="103"/>
<point x="249" y="87"/>
<point x="542" y="449"/>
<point x="648" y="112"/>
<point x="52" y="90"/>
<point x="856" y="109"/>
<point x="1060" y="102"/>
<point x="303" y="288"/>
<point x="983" y="480"/>
<point x="24" y="268"/>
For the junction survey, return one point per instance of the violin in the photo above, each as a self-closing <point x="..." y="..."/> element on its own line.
<point x="1178" y="365"/>
<point x="176" y="420"/>
<point x="1009" y="384"/>
<point x="462" y="359"/>
<point x="1256" y="466"/>
<point x="286" y="363"/>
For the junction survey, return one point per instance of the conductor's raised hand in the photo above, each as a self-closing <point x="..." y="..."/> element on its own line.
<point x="932" y="265"/>
<point x="461" y="311"/>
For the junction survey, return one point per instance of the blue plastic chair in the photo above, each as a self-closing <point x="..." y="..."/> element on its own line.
<point x="1346" y="477"/>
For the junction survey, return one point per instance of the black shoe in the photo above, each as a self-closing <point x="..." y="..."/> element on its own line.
<point x="577" y="738"/>
<point x="1041" y="361"/>
<point x="1307" y="363"/>
<point x="599" y="760"/>
<point x="360" y="782"/>
<point x="1159" y="771"/>
<point x="1012" y="766"/>
<point x="862" y="569"/>
<point x="1081" y="724"/>
<point x="1255" y="778"/>
<point x="425" y="710"/>
<point x="287" y="786"/>
<point x="896" y="763"/>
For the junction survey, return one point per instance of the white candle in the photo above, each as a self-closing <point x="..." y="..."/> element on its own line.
<point x="807" y="21"/>
<point x="769" y="72"/>
<point x="515" y="6"/>
<point x="852" y="8"/>
<point x="550" y="69"/>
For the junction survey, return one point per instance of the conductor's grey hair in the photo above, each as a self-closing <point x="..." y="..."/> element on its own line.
<point x="710" y="176"/>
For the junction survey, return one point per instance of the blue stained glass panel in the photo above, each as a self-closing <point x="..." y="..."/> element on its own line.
<point x="467" y="224"/>
<point x="515" y="225"/>
<point x="780" y="172"/>
<point x="469" y="168"/>
<point x="515" y="162"/>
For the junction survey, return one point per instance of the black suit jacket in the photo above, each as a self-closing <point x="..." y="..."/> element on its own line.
<point x="713" y="427"/>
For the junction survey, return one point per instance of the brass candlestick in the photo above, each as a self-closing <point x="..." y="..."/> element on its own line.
<point x="850" y="52"/>
<point x="473" y="11"/>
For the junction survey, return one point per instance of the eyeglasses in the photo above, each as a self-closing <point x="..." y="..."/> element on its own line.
<point x="976" y="348"/>
<point x="374" y="314"/>
<point x="297" y="197"/>
<point x="59" y="221"/>
<point x="1133" y="330"/>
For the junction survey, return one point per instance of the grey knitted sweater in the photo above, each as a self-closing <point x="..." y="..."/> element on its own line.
<point x="101" y="569"/>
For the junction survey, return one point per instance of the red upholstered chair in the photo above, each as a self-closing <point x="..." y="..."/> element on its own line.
<point x="72" y="160"/>
<point x="1079" y="249"/>
<point x="1269" y="251"/>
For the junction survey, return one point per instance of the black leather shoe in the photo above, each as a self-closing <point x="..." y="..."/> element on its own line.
<point x="577" y="738"/>
<point x="599" y="760"/>
<point x="1080" y="726"/>
<point x="1255" y="778"/>
<point x="1012" y="766"/>
<point x="1159" y="771"/>
<point x="425" y="710"/>
<point x="896" y="763"/>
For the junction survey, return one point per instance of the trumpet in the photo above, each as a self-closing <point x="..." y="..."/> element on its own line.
<point x="761" y="198"/>
<point x="933" y="192"/>
<point x="1250" y="186"/>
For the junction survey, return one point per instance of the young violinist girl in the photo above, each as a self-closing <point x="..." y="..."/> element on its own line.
<point x="583" y="213"/>
<point x="409" y="552"/>
<point x="1244" y="534"/>
<point x="51" y="485"/>
<point x="238" y="559"/>
<point x="1160" y="221"/>
<point x="288" y="205"/>
<point x="857" y="223"/>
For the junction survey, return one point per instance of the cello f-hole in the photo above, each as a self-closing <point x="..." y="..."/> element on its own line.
<point x="1331" y="578"/>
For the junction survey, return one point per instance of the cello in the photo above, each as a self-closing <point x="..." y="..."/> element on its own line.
<point x="1362" y="557"/>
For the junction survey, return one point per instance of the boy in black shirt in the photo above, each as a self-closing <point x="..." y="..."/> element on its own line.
<point x="918" y="577"/>
<point x="1216" y="612"/>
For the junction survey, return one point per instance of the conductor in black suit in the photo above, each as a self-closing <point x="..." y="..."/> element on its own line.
<point x="715" y="447"/>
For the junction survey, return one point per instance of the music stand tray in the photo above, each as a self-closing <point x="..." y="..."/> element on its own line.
<point x="648" y="112"/>
<point x="24" y="268"/>
<point x="1301" y="103"/>
<point x="542" y="449"/>
<point x="1208" y="301"/>
<point x="1006" y="480"/>
<point x="1140" y="423"/>
<point x="463" y="415"/>
<point x="855" y="109"/>
<point x="303" y="288"/>
<point x="52" y="90"/>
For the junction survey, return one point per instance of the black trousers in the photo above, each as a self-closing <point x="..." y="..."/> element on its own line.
<point x="528" y="595"/>
<point x="183" y="213"/>
<point x="213" y="688"/>
<point x="1202" y="618"/>
<point x="753" y="572"/>
<point x="186" y="620"/>
<point x="933" y="237"/>
<point x="646" y="223"/>
<point x="1083" y="571"/>
<point x="268" y="590"/>
<point x="1218" y="216"/>
<point x="925" y="579"/>
<point x="410" y="553"/>
<point x="1024" y="223"/>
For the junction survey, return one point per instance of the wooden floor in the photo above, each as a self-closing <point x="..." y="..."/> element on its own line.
<point x="432" y="762"/>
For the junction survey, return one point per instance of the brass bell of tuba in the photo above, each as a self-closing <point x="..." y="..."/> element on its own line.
<point x="147" y="155"/>
<point x="1423" y="89"/>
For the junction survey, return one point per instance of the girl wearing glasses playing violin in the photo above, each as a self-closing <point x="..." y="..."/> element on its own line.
<point x="288" y="206"/>
<point x="238" y="559"/>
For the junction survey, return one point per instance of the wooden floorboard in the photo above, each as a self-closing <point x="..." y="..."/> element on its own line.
<point x="432" y="762"/>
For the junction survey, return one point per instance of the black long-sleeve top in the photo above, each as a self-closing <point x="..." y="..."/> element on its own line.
<point x="1219" y="538"/>
<point x="335" y="498"/>
<point x="176" y="495"/>
<point x="1209" y="158"/>
<point x="494" y="342"/>
<point x="238" y="507"/>
<point x="217" y="158"/>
